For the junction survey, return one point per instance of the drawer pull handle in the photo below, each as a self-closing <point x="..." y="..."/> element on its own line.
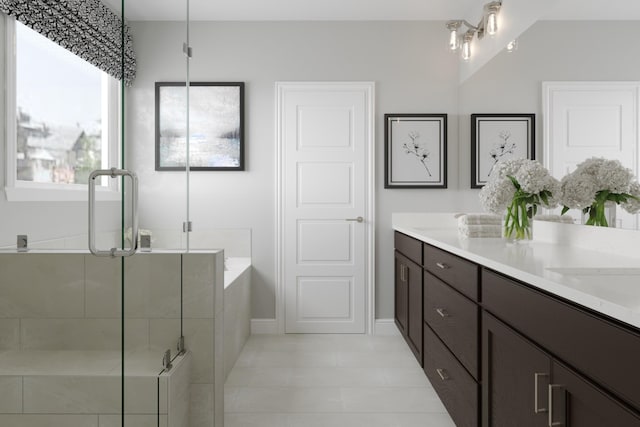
<point x="442" y="265"/>
<point x="441" y="312"/>
<point x="443" y="374"/>
<point x="536" y="408"/>
<point x="553" y="423"/>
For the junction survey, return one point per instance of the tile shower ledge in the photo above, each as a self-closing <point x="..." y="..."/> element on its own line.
<point x="87" y="252"/>
<point x="140" y="363"/>
<point x="601" y="281"/>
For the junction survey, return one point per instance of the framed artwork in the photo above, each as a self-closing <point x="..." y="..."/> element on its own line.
<point x="496" y="137"/>
<point x="415" y="150"/>
<point x="216" y="126"/>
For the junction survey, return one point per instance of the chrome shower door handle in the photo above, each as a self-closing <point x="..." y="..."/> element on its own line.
<point x="113" y="173"/>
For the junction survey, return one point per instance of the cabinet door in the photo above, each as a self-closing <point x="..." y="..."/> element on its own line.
<point x="415" y="308"/>
<point x="515" y="378"/>
<point x="401" y="293"/>
<point x="578" y="403"/>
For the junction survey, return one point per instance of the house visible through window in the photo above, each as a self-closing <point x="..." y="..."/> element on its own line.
<point x="62" y="113"/>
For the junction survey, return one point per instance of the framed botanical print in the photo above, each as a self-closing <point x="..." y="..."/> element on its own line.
<point x="415" y="150"/>
<point x="496" y="137"/>
<point x="216" y="126"/>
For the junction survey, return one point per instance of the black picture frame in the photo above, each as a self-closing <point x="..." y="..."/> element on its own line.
<point x="496" y="137"/>
<point x="415" y="151"/>
<point x="216" y="117"/>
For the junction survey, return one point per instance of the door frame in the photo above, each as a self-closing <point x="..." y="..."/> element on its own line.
<point x="369" y="89"/>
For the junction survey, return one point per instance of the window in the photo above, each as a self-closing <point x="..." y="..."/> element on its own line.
<point x="62" y="116"/>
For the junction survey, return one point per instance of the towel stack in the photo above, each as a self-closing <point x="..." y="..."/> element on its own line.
<point x="554" y="218"/>
<point x="479" y="225"/>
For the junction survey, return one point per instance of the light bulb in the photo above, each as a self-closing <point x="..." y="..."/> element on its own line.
<point x="454" y="39"/>
<point x="454" y="42"/>
<point x="492" y="23"/>
<point x="466" y="50"/>
<point x="512" y="45"/>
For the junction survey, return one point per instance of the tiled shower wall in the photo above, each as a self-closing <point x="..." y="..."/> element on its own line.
<point x="73" y="302"/>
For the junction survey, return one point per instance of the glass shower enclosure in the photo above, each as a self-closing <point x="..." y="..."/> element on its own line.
<point x="97" y="286"/>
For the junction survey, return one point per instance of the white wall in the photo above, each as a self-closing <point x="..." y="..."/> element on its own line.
<point x="408" y="61"/>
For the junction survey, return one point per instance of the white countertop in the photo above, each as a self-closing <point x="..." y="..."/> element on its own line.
<point x="606" y="282"/>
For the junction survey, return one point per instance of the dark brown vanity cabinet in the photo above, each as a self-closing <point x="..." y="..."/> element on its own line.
<point x="408" y="291"/>
<point x="534" y="381"/>
<point x="451" y="328"/>
<point x="502" y="353"/>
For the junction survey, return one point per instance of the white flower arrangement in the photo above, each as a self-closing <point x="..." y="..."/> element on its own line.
<point x="595" y="182"/>
<point x="519" y="186"/>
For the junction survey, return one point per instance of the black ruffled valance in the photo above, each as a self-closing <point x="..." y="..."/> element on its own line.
<point x="87" y="28"/>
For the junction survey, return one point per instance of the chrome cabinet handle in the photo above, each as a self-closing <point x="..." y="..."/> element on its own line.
<point x="442" y="265"/>
<point x="358" y="219"/>
<point x="553" y="423"/>
<point x="402" y="272"/>
<point x="441" y="312"/>
<point x="536" y="378"/>
<point x="443" y="374"/>
<point x="113" y="173"/>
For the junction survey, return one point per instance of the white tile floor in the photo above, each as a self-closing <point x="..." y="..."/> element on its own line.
<point x="330" y="380"/>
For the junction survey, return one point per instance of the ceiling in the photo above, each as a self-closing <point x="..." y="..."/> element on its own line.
<point x="355" y="10"/>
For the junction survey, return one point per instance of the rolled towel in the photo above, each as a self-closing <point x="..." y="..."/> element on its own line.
<point x="554" y="218"/>
<point x="484" y="230"/>
<point x="479" y="219"/>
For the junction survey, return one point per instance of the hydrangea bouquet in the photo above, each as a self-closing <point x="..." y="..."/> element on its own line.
<point x="519" y="186"/>
<point x="596" y="182"/>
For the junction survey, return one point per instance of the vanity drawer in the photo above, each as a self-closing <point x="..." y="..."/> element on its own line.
<point x="454" y="318"/>
<point x="455" y="387"/>
<point x="455" y="271"/>
<point x="599" y="349"/>
<point x="409" y="247"/>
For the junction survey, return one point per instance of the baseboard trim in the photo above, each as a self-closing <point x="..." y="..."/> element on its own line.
<point x="386" y="327"/>
<point x="270" y="327"/>
<point x="264" y="326"/>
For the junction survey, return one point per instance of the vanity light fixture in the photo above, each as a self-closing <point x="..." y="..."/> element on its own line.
<point x="491" y="17"/>
<point x="487" y="25"/>
<point x="466" y="44"/>
<point x="454" y="37"/>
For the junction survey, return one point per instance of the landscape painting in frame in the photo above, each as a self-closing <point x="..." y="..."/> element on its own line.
<point x="415" y="150"/>
<point x="216" y="126"/>
<point x="496" y="137"/>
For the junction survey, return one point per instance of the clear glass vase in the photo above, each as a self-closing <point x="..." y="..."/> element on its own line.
<point x="517" y="227"/>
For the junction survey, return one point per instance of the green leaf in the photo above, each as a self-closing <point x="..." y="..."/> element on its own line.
<point x="565" y="209"/>
<point x="544" y="197"/>
<point x="514" y="181"/>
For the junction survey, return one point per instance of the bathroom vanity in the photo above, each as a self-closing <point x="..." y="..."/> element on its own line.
<point x="538" y="334"/>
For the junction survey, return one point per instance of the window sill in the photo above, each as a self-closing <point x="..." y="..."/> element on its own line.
<point x="39" y="194"/>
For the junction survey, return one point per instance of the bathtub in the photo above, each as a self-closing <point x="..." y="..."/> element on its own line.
<point x="237" y="308"/>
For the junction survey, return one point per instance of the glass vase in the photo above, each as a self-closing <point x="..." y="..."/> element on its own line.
<point x="517" y="227"/>
<point x="601" y="214"/>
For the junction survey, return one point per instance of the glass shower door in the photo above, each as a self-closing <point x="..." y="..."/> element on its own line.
<point x="61" y="308"/>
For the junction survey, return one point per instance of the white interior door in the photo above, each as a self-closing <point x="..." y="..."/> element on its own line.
<point x="325" y="151"/>
<point x="591" y="119"/>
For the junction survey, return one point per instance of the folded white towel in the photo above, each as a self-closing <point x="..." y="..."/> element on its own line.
<point x="479" y="219"/>
<point x="565" y="219"/>
<point x="484" y="230"/>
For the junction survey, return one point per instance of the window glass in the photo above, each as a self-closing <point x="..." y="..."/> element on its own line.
<point x="59" y="112"/>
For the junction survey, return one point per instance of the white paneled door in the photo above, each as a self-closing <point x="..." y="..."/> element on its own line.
<point x="591" y="119"/>
<point x="325" y="138"/>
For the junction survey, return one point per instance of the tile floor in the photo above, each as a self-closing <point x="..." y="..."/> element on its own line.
<point x="330" y="380"/>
